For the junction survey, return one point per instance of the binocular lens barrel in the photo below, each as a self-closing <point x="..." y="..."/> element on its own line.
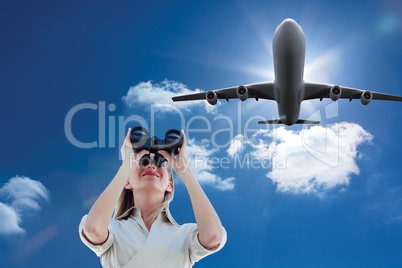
<point x="138" y="133"/>
<point x="141" y="141"/>
<point x="173" y="135"/>
<point x="138" y="137"/>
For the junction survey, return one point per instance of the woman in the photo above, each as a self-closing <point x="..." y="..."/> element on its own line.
<point x="146" y="235"/>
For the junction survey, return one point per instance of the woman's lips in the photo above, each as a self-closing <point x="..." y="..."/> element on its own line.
<point x="150" y="173"/>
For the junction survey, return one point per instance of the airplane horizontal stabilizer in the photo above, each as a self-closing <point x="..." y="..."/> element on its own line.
<point x="301" y="121"/>
<point x="275" y="121"/>
<point x="278" y="121"/>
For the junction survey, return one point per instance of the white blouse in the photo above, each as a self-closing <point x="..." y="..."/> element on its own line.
<point x="167" y="244"/>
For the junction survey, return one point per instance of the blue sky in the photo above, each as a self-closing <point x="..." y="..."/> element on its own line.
<point x="314" y="212"/>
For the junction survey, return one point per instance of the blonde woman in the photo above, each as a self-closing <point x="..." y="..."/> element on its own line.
<point x="142" y="232"/>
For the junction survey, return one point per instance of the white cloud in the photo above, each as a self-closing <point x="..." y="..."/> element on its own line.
<point x="237" y="145"/>
<point x="148" y="93"/>
<point x="201" y="161"/>
<point x="206" y="177"/>
<point x="20" y="194"/>
<point x="313" y="160"/>
<point x="10" y="221"/>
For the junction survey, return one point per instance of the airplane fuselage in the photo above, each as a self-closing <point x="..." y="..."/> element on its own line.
<point x="288" y="47"/>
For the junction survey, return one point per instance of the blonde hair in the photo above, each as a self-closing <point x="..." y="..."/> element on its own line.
<point x="126" y="202"/>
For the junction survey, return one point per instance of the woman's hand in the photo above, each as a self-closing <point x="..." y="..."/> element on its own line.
<point x="179" y="163"/>
<point x="130" y="159"/>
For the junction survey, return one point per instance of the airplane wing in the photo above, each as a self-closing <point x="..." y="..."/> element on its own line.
<point x="320" y="91"/>
<point x="258" y="91"/>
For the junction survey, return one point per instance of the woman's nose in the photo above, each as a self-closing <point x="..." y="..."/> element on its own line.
<point x="151" y="165"/>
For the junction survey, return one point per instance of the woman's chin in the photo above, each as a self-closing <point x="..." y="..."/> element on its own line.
<point x="150" y="186"/>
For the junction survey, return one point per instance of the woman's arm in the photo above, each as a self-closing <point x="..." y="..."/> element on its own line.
<point x="98" y="219"/>
<point x="208" y="222"/>
<point x="95" y="227"/>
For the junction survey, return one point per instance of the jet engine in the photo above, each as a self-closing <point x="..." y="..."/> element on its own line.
<point x="335" y="93"/>
<point x="242" y="93"/>
<point x="212" y="98"/>
<point x="366" y="97"/>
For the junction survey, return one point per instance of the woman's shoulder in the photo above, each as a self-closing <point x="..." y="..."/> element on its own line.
<point x="187" y="227"/>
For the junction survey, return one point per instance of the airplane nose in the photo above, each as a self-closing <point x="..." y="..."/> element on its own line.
<point x="289" y="31"/>
<point x="289" y="24"/>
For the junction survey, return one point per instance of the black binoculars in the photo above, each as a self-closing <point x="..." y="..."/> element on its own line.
<point x="140" y="141"/>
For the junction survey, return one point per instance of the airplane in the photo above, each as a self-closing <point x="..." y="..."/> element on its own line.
<point x="288" y="88"/>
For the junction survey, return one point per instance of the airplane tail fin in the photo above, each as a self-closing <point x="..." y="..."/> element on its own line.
<point x="278" y="121"/>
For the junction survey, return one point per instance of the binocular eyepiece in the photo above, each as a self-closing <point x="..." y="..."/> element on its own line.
<point x="140" y="141"/>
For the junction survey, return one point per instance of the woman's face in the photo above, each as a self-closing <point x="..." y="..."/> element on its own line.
<point x="149" y="177"/>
